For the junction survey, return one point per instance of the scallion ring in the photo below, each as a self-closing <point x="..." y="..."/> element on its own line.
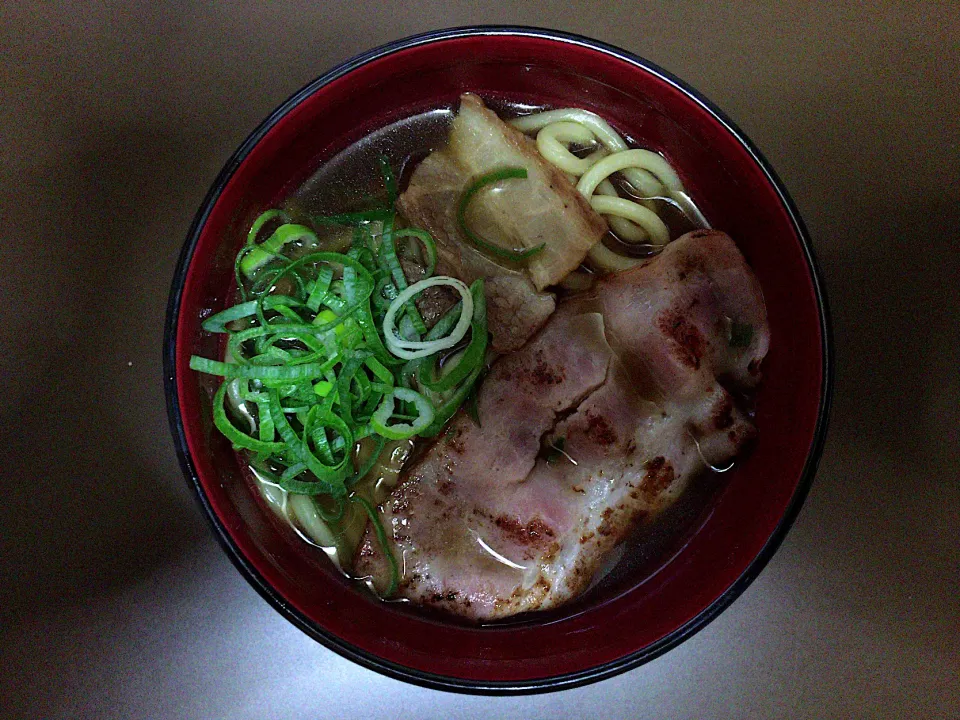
<point x="411" y="349"/>
<point x="269" y="248"/>
<point x="401" y="431"/>
<point x="476" y="186"/>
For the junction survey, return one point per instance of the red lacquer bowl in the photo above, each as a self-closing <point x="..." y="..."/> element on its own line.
<point x="734" y="187"/>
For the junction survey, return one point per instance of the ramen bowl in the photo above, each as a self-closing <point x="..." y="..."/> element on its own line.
<point x="614" y="628"/>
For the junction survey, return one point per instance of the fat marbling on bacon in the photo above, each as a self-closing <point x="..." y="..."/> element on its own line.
<point x="636" y="378"/>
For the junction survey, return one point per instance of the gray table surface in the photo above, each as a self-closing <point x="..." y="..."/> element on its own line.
<point x="115" y="600"/>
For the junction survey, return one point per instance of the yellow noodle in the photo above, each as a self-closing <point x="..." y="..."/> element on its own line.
<point x="644" y="159"/>
<point x="649" y="174"/>
<point x="603" y="258"/>
<point x="647" y="219"/>
<point x="552" y="142"/>
<point x="645" y="183"/>
<point x="624" y="229"/>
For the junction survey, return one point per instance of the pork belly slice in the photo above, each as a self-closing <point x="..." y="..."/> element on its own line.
<point x="487" y="525"/>
<point x="543" y="208"/>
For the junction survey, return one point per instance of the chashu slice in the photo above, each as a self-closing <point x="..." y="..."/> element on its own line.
<point x="487" y="527"/>
<point x="694" y="321"/>
<point x="516" y="214"/>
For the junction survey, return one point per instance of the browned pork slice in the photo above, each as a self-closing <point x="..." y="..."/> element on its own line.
<point x="488" y="525"/>
<point x="693" y="316"/>
<point x="517" y="214"/>
<point x="454" y="497"/>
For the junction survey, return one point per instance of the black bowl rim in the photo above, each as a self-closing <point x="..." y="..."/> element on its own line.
<point x="431" y="680"/>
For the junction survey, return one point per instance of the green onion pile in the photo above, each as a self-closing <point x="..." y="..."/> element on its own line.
<point x="328" y="348"/>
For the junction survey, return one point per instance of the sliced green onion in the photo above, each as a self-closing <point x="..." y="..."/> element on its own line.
<point x="384" y="292"/>
<point x="267" y="427"/>
<point x="364" y="281"/>
<point x="401" y="431"/>
<point x="344" y="380"/>
<point x="268" y="249"/>
<point x="320" y="288"/>
<point x="485" y="245"/>
<point x="388" y="252"/>
<point x="264" y="372"/>
<point x="379" y="370"/>
<point x="238" y="275"/>
<point x="445" y="323"/>
<point x="474" y="353"/>
<point x="371" y="334"/>
<point x="288" y="313"/>
<point x="217" y="323"/>
<point x="322" y="387"/>
<point x="411" y="349"/>
<point x="329" y="477"/>
<point x="452" y="403"/>
<point x="334" y="516"/>
<point x="238" y="392"/>
<point x="239" y="438"/>
<point x="382" y="539"/>
<point x="262" y="220"/>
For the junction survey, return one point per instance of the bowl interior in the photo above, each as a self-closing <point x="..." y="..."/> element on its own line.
<point x="748" y="516"/>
